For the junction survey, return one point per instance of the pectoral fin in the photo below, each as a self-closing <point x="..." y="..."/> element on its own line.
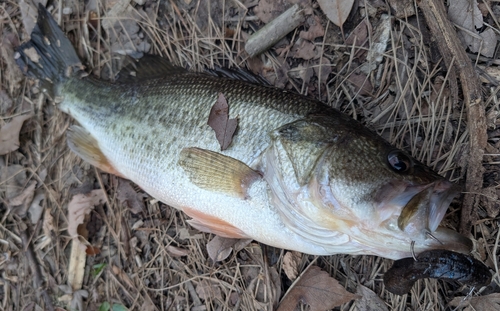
<point x="216" y="172"/>
<point x="86" y="147"/>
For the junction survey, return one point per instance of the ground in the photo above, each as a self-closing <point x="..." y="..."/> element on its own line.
<point x="392" y="65"/>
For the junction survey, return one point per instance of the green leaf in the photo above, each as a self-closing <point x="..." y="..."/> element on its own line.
<point x="97" y="269"/>
<point x="119" y="308"/>
<point x="104" y="306"/>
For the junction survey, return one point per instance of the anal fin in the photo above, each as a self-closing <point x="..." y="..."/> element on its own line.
<point x="216" y="172"/>
<point x="211" y="224"/>
<point x="86" y="147"/>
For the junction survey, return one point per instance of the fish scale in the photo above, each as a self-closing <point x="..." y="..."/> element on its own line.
<point x="298" y="174"/>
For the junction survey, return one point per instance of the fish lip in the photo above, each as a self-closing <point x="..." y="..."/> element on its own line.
<point x="443" y="194"/>
<point x="444" y="238"/>
<point x="426" y="208"/>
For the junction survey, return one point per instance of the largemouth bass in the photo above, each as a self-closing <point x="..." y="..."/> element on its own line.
<point x="298" y="174"/>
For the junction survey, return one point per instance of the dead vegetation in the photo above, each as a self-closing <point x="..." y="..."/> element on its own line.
<point x="386" y="66"/>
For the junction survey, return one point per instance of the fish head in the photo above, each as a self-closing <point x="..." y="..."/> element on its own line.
<point x="352" y="181"/>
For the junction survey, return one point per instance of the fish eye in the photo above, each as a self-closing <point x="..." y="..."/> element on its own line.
<point x="399" y="161"/>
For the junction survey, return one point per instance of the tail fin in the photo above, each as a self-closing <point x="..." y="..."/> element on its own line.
<point x="49" y="55"/>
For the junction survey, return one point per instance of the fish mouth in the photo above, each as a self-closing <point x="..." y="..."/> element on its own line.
<point x="422" y="214"/>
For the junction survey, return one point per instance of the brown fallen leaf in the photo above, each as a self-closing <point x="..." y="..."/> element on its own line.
<point x="9" y="134"/>
<point x="304" y="49"/>
<point x="317" y="289"/>
<point x="315" y="29"/>
<point x="369" y="300"/>
<point x="5" y="102"/>
<point x="11" y="71"/>
<point x="81" y="205"/>
<point x="291" y="262"/>
<point x="25" y="197"/>
<point x="122" y="275"/>
<point x="208" y="290"/>
<point x="466" y="14"/>
<point x="129" y="197"/>
<point x="36" y="209"/>
<point x="177" y="251"/>
<point x="481" y="303"/>
<point x="219" y="248"/>
<point x="267" y="10"/>
<point x="219" y="121"/>
<point x="337" y="11"/>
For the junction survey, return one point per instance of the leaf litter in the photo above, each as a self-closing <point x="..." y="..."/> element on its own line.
<point x="317" y="289"/>
<point x="219" y="121"/>
<point x="248" y="279"/>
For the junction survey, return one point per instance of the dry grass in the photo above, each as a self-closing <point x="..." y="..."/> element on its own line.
<point x="410" y="105"/>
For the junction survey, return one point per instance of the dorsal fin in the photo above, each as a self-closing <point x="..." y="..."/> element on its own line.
<point x="237" y="74"/>
<point x="148" y="67"/>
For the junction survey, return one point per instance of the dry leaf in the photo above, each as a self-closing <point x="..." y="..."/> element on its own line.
<point x="21" y="203"/>
<point x="9" y="134"/>
<point x="219" y="248"/>
<point x="291" y="262"/>
<point x="315" y="29"/>
<point x="358" y="35"/>
<point x="481" y="303"/>
<point x="322" y="69"/>
<point x="12" y="180"/>
<point x="11" y="73"/>
<point x="35" y="208"/>
<point x="129" y="197"/>
<point x="304" y="49"/>
<point x="466" y="14"/>
<point x="29" y="13"/>
<point x="361" y="83"/>
<point x="208" y="290"/>
<point x="122" y="275"/>
<point x="403" y="8"/>
<point x="5" y="102"/>
<point x="81" y="205"/>
<point x="48" y="229"/>
<point x="267" y="10"/>
<point x="369" y="301"/>
<point x="219" y="121"/>
<point x="177" y="251"/>
<point x="489" y="42"/>
<point x="337" y="11"/>
<point x="317" y="289"/>
<point x="25" y="197"/>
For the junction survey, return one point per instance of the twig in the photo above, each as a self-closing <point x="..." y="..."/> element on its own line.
<point x="276" y="29"/>
<point x="38" y="282"/>
<point x="453" y="52"/>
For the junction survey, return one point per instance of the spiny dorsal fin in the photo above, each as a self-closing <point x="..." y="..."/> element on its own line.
<point x="216" y="172"/>
<point x="237" y="74"/>
<point x="86" y="147"/>
<point x="148" y="67"/>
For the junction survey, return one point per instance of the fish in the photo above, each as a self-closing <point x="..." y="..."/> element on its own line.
<point x="298" y="174"/>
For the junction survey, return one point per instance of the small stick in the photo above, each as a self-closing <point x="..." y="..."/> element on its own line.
<point x="35" y="269"/>
<point x="454" y="53"/>
<point x="276" y="29"/>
